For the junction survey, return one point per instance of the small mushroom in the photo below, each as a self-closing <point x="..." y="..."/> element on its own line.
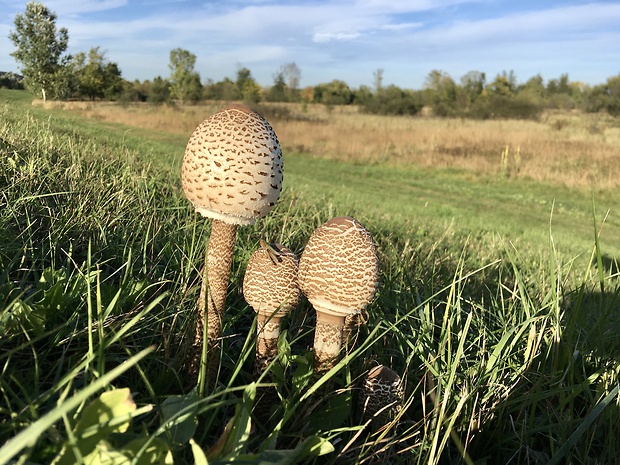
<point x="382" y="396"/>
<point x="232" y="173"/>
<point x="270" y="288"/>
<point x="339" y="274"/>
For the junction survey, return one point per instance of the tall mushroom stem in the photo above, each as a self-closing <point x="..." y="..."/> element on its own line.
<point x="206" y="353"/>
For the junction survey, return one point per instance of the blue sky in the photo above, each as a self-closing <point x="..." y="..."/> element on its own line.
<point x="343" y="39"/>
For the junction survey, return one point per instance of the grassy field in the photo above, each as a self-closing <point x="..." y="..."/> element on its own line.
<point x="499" y="304"/>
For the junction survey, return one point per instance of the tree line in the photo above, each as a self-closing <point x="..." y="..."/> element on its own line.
<point x="51" y="73"/>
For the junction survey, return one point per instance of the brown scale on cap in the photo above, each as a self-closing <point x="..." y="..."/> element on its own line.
<point x="382" y="396"/>
<point x="339" y="274"/>
<point x="231" y="173"/>
<point x="270" y="288"/>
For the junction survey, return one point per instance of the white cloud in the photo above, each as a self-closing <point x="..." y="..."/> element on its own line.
<point x="322" y="37"/>
<point x="401" y="26"/>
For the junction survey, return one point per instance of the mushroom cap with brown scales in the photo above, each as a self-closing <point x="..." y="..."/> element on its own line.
<point x="270" y="282"/>
<point x="232" y="167"/>
<point x="339" y="267"/>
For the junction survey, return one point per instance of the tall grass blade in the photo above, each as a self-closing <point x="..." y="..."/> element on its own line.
<point x="583" y="426"/>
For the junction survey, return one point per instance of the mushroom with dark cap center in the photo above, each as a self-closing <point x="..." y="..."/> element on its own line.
<point x="270" y="288"/>
<point x="232" y="173"/>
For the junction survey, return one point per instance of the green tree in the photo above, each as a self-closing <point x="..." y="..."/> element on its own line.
<point x="605" y="97"/>
<point x="246" y="87"/>
<point x="534" y="86"/>
<point x="505" y="84"/>
<point x="251" y="92"/>
<point x="378" y="79"/>
<point x="364" y="96"/>
<point x="277" y="92"/>
<point x="95" y="78"/>
<point x="392" y="100"/>
<point x="560" y="93"/>
<point x="222" y="90"/>
<point x="11" y="81"/>
<point x="335" y="92"/>
<point x="160" y="91"/>
<point x="441" y="93"/>
<point x="560" y="85"/>
<point x="40" y="48"/>
<point x="184" y="81"/>
<point x="243" y="75"/>
<point x="473" y="83"/>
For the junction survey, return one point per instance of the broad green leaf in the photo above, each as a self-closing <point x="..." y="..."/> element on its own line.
<point x="150" y="451"/>
<point x="332" y="415"/>
<point x="180" y="414"/>
<point x="104" y="455"/>
<point x="243" y="423"/>
<point x="313" y="446"/>
<point x="303" y="371"/>
<point x="106" y="415"/>
<point x="110" y="405"/>
<point x="233" y="440"/>
<point x="317" y="446"/>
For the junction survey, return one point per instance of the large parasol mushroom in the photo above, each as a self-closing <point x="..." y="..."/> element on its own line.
<point x="232" y="173"/>
<point x="339" y="274"/>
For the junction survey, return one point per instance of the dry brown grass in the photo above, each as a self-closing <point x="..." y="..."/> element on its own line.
<point x="568" y="148"/>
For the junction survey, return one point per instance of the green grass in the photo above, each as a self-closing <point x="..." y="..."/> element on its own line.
<point x="498" y="306"/>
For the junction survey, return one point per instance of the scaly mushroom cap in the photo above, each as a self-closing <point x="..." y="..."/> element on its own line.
<point x="382" y="396"/>
<point x="270" y="281"/>
<point x="339" y="268"/>
<point x="232" y="167"/>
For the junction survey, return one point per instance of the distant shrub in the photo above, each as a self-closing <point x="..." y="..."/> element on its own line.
<point x="393" y="100"/>
<point x="501" y="106"/>
<point x="11" y="81"/>
<point x="281" y="113"/>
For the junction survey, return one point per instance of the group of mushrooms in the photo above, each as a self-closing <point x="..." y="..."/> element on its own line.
<point x="232" y="173"/>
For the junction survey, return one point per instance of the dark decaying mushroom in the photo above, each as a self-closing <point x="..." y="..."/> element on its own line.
<point x="232" y="173"/>
<point x="381" y="398"/>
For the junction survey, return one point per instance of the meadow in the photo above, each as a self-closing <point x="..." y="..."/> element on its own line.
<point x="499" y="303"/>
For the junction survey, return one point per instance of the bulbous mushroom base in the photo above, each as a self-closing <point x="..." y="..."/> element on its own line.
<point x="327" y="340"/>
<point x="268" y="333"/>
